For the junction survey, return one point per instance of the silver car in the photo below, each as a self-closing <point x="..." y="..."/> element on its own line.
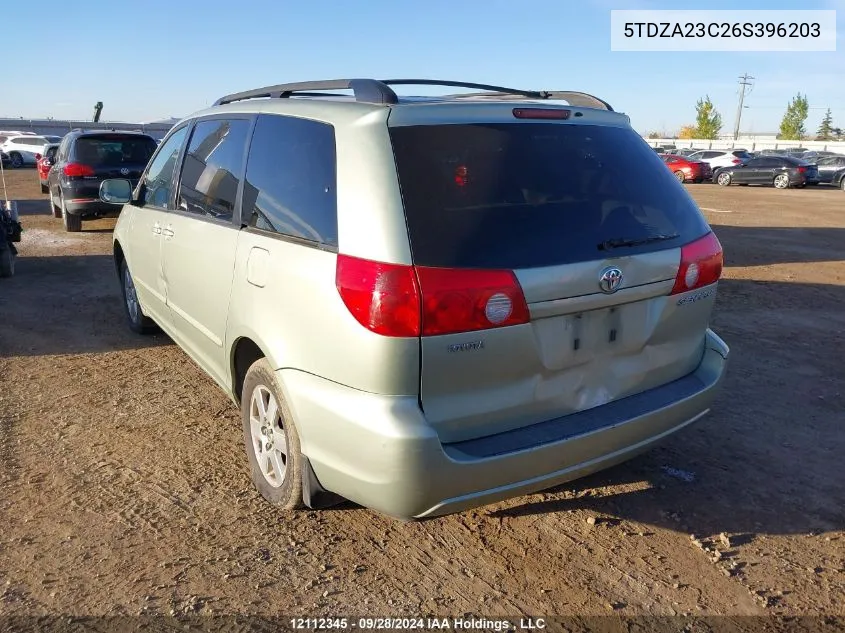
<point x="425" y="304"/>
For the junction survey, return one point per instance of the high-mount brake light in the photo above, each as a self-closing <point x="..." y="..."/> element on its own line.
<point x="541" y="113"/>
<point x="701" y="264"/>
<point x="406" y="301"/>
<point x="461" y="178"/>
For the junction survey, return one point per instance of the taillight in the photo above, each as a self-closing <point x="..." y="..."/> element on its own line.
<point x="456" y="300"/>
<point x="801" y="170"/>
<point x="77" y="169"/>
<point x="384" y="298"/>
<point x="701" y="264"/>
<point x="398" y="300"/>
<point x="736" y="161"/>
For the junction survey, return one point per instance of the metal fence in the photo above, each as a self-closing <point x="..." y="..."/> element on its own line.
<point x="55" y="127"/>
<point x="751" y="146"/>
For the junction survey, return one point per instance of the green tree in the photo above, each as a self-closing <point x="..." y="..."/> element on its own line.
<point x="825" y="132"/>
<point x="792" y="125"/>
<point x="708" y="121"/>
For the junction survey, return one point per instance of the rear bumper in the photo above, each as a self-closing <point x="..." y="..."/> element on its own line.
<point x="380" y="452"/>
<point x="92" y="208"/>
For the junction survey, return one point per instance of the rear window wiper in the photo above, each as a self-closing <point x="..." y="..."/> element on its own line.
<point x="621" y="241"/>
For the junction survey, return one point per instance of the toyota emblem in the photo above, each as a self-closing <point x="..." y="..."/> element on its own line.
<point x="124" y="171"/>
<point x="610" y="280"/>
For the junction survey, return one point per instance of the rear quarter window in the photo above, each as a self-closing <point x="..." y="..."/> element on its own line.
<point x="535" y="194"/>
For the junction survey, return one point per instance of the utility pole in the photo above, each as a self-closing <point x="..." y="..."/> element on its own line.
<point x="743" y="82"/>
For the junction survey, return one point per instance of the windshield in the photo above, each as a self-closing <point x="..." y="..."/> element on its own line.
<point x="520" y="195"/>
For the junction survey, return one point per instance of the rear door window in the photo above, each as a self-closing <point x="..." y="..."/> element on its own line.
<point x="535" y="194"/>
<point x="213" y="168"/>
<point x="114" y="150"/>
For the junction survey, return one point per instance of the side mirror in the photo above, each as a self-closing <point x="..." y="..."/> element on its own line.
<point x="116" y="191"/>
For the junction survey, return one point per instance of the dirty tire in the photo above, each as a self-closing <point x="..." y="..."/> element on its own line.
<point x="259" y="392"/>
<point x="138" y="323"/>
<point x="7" y="261"/>
<point x="73" y="223"/>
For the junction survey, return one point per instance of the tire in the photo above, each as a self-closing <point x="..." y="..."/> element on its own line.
<point x="44" y="189"/>
<point x="781" y="181"/>
<point x="57" y="212"/>
<point x="7" y="261"/>
<point x="842" y="184"/>
<point x="138" y="323"/>
<point x="259" y="391"/>
<point x="723" y="179"/>
<point x="680" y="176"/>
<point x="16" y="160"/>
<point x="73" y="223"/>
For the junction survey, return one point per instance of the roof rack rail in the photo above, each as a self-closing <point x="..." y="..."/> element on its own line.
<point x="365" y="90"/>
<point x="380" y="91"/>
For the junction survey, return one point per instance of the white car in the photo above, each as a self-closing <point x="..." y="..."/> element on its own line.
<point x="717" y="158"/>
<point x="22" y="149"/>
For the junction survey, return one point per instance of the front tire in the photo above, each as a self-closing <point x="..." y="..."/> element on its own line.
<point x="781" y="181"/>
<point x="57" y="211"/>
<point x="138" y="323"/>
<point x="842" y="184"/>
<point x="723" y="179"/>
<point x="271" y="439"/>
<point x="73" y="223"/>
<point x="16" y="160"/>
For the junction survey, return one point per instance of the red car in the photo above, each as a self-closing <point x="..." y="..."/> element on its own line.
<point x="43" y="163"/>
<point x="687" y="170"/>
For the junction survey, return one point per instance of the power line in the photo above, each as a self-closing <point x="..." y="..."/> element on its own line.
<point x="743" y="82"/>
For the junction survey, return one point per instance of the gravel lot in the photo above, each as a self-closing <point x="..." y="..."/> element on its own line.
<point x="124" y="487"/>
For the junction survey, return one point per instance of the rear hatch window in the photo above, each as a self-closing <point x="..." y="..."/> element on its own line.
<point x="114" y="150"/>
<point x="526" y="195"/>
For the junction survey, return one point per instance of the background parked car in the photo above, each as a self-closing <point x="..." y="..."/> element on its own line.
<point x="687" y="169"/>
<point x="837" y="179"/>
<point x="781" y="171"/>
<point x="829" y="165"/>
<point x="43" y="162"/>
<point x="685" y="151"/>
<point x="83" y="161"/>
<point x="23" y="148"/>
<point x="717" y="158"/>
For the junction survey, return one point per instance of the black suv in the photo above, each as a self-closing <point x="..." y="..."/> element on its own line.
<point x="86" y="158"/>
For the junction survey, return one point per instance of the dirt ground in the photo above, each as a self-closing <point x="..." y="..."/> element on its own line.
<point x="124" y="487"/>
